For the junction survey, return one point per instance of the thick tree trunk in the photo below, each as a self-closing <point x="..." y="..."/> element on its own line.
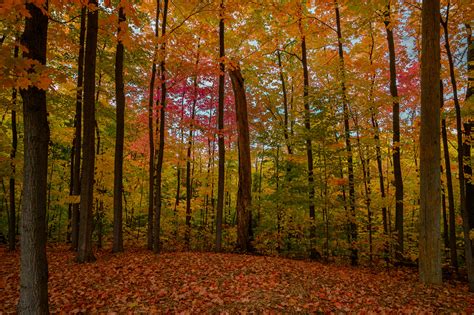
<point x="469" y="212"/>
<point x="468" y="216"/>
<point x="12" y="209"/>
<point x="88" y="162"/>
<point x="397" y="170"/>
<point x="430" y="181"/>
<point x="220" y="134"/>
<point x="77" y="142"/>
<point x="161" y="145"/>
<point x="151" y="162"/>
<point x="244" y="198"/>
<point x="33" y="261"/>
<point x="347" y="137"/>
<point x="119" y="134"/>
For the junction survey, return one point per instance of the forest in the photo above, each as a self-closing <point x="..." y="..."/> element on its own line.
<point x="208" y="156"/>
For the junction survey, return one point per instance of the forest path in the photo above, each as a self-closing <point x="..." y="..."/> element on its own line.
<point x="139" y="281"/>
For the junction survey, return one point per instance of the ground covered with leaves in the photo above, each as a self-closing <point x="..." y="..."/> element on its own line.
<point x="140" y="281"/>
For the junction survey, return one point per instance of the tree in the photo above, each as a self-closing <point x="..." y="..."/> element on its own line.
<point x="33" y="261"/>
<point x="161" y="144"/>
<point x="220" y="133"/>
<point x="347" y="137"/>
<point x="244" y="198"/>
<point x="151" y="161"/>
<point x="88" y="148"/>
<point x="430" y="152"/>
<point x="76" y="169"/>
<point x="397" y="169"/>
<point x="119" y="134"/>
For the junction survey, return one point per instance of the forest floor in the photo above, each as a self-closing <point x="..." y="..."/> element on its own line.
<point x="139" y="281"/>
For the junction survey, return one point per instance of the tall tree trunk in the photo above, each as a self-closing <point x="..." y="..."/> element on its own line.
<point x="468" y="217"/>
<point x="151" y="162"/>
<point x="12" y="209"/>
<point x="449" y="186"/>
<point x="285" y="109"/>
<point x="430" y="181"/>
<point x="77" y="142"/>
<point x="309" y="145"/>
<point x="189" y="188"/>
<point x="33" y="261"/>
<point x="462" y="188"/>
<point x="397" y="170"/>
<point x="161" y="145"/>
<point x="347" y="136"/>
<point x="88" y="162"/>
<point x="119" y="134"/>
<point x="469" y="212"/>
<point x="244" y="198"/>
<point x="220" y="134"/>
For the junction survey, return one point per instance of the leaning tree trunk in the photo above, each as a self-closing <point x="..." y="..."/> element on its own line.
<point x="33" y="261"/>
<point x="220" y="134"/>
<point x="88" y="162"/>
<point x="161" y="145"/>
<point x="430" y="149"/>
<point x="12" y="216"/>
<point x="76" y="172"/>
<point x="244" y="198"/>
<point x="397" y="169"/>
<point x="350" y="164"/>
<point x="119" y="134"/>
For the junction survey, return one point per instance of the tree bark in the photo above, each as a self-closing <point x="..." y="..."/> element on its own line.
<point x="161" y="145"/>
<point x="430" y="181"/>
<point x="151" y="162"/>
<point x="33" y="261"/>
<point x="397" y="170"/>
<point x="88" y="163"/>
<point x="347" y="137"/>
<point x="77" y="142"/>
<point x="119" y="134"/>
<point x="220" y="134"/>
<point x="468" y="215"/>
<point x="244" y="198"/>
<point x="309" y="145"/>
<point x="449" y="187"/>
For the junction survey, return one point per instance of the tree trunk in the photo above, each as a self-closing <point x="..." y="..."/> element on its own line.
<point x="347" y="136"/>
<point x="430" y="181"/>
<point x="12" y="209"/>
<point x="33" y="261"/>
<point x="161" y="145"/>
<point x="151" y="162"/>
<point x="76" y="173"/>
<point x="449" y="186"/>
<point x="285" y="109"/>
<point x="469" y="212"/>
<point x="220" y="134"/>
<point x="88" y="162"/>
<point x="189" y="188"/>
<point x="309" y="145"/>
<point x="397" y="170"/>
<point x="119" y="134"/>
<point x="468" y="216"/>
<point x="244" y="198"/>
